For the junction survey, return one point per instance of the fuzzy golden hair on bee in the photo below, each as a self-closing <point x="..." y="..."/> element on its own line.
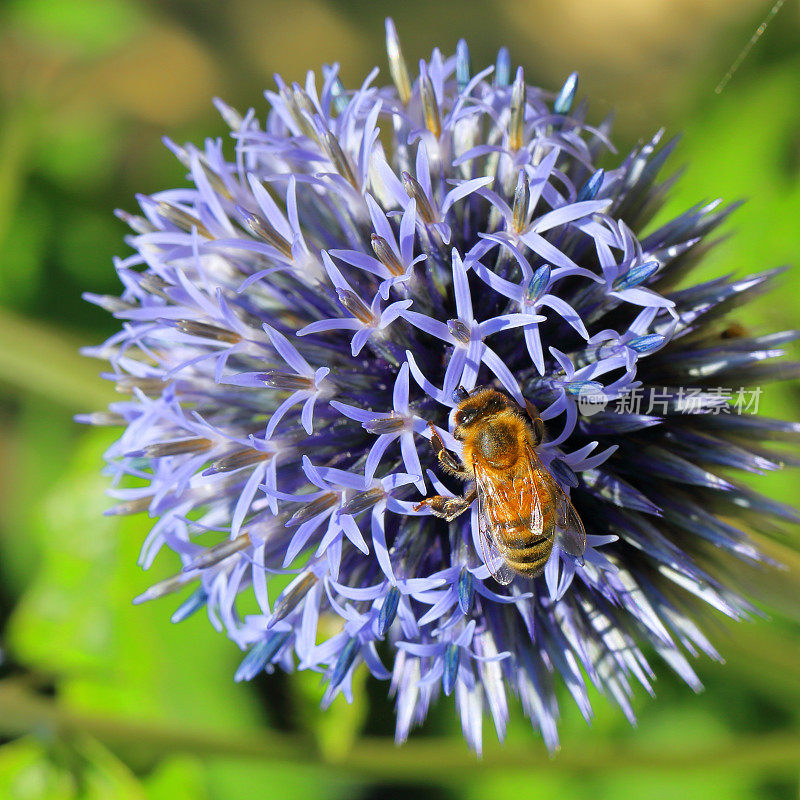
<point x="522" y="510"/>
<point x="492" y="428"/>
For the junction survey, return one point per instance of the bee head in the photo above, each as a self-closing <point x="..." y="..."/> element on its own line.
<point x="477" y="405"/>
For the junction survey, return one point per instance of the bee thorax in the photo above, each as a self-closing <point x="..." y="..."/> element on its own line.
<point x="498" y="444"/>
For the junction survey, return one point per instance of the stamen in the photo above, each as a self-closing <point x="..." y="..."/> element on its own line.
<point x="339" y="95"/>
<point x="459" y="330"/>
<point x="516" y="125"/>
<point x="522" y="199"/>
<point x="219" y="552"/>
<point x="385" y="255"/>
<point x="648" y="343"/>
<point x="136" y="223"/>
<point x="261" y="655"/>
<point x="111" y="304"/>
<point x="291" y="596"/>
<point x="303" y="101"/>
<point x="465" y="590"/>
<point x="234" y="461"/>
<point x="311" y="509"/>
<point x="388" y="610"/>
<point x="452" y="655"/>
<point x="415" y="191"/>
<point x="563" y="103"/>
<point x="260" y="228"/>
<point x="149" y="386"/>
<point x="463" y="65"/>
<point x="538" y="284"/>
<point x="397" y="64"/>
<point x="290" y="100"/>
<point x="182" y="219"/>
<point x="430" y="107"/>
<point x="214" y="179"/>
<point x="153" y="284"/>
<point x="194" y="602"/>
<point x="168" y="586"/>
<point x="274" y="643"/>
<point x="274" y="379"/>
<point x="230" y="116"/>
<point x="101" y="418"/>
<point x="176" y="448"/>
<point x="205" y="331"/>
<point x="502" y="69"/>
<point x="590" y="189"/>
<point x="362" y="501"/>
<point x="338" y="158"/>
<point x="355" y="305"/>
<point x="129" y="507"/>
<point x="384" y="425"/>
<point x="636" y="275"/>
<point x="576" y="388"/>
<point x="344" y="662"/>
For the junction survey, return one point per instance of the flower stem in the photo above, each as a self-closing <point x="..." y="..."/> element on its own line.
<point x="445" y="761"/>
<point x="37" y="359"/>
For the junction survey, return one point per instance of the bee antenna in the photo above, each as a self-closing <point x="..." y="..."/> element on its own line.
<point x="460" y="394"/>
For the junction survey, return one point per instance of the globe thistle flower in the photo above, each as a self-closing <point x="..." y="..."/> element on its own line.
<point x="295" y="323"/>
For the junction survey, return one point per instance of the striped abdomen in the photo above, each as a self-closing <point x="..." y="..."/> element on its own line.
<point x="522" y="513"/>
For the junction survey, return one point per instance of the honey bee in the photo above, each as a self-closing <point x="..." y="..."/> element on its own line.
<point x="522" y="510"/>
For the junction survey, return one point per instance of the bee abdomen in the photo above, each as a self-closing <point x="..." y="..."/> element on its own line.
<point x="524" y="528"/>
<point x="529" y="558"/>
<point x="519" y="526"/>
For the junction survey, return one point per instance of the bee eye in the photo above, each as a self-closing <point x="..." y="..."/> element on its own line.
<point x="465" y="417"/>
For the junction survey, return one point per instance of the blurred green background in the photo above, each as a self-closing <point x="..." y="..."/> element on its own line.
<point x="99" y="699"/>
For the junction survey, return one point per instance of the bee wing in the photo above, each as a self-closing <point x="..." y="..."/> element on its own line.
<point x="488" y="498"/>
<point x="572" y="536"/>
<point x="570" y="533"/>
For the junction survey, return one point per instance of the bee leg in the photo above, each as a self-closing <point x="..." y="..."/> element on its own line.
<point x="538" y="425"/>
<point x="451" y="464"/>
<point x="538" y="431"/>
<point x="448" y="507"/>
<point x="448" y="460"/>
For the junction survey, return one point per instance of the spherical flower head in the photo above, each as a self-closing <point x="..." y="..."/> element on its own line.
<point x="300" y="323"/>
